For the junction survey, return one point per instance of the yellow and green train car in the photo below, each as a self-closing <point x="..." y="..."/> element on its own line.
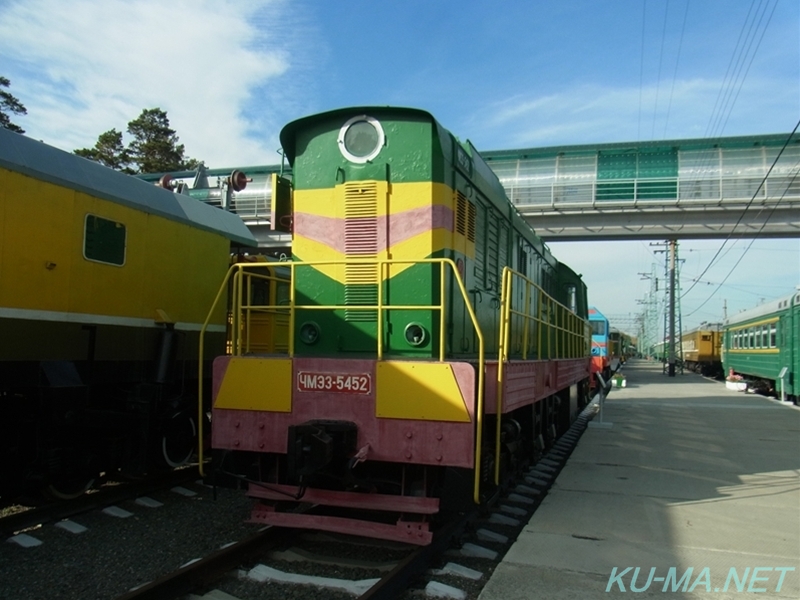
<point x="435" y="342"/>
<point x="763" y="345"/>
<point x="105" y="282"/>
<point x="701" y="348"/>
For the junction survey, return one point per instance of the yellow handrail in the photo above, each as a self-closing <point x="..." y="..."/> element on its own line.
<point x="201" y="344"/>
<point x="564" y="328"/>
<point x="237" y="272"/>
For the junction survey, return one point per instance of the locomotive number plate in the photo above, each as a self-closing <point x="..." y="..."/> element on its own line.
<point x="344" y="383"/>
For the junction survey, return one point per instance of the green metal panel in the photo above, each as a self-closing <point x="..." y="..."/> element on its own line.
<point x="616" y="165"/>
<point x="652" y="163"/>
<point x="657" y="163"/>
<point x="417" y="285"/>
<point x="408" y="155"/>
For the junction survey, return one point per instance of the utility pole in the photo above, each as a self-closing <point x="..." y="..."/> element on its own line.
<point x="672" y="250"/>
<point x="650" y="316"/>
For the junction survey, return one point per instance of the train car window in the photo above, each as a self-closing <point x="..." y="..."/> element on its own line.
<point x="765" y="336"/>
<point x="598" y="327"/>
<point x="104" y="241"/>
<point x="773" y="336"/>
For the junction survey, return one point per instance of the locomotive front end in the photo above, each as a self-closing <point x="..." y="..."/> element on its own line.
<point x="367" y="410"/>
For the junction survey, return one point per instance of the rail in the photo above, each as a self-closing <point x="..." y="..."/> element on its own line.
<point x="242" y="318"/>
<point x="558" y="333"/>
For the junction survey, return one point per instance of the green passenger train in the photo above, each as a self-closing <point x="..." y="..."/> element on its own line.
<point x="763" y="345"/>
<point x="435" y="344"/>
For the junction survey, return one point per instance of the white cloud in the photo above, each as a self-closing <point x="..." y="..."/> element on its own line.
<point x="107" y="60"/>
<point x="588" y="113"/>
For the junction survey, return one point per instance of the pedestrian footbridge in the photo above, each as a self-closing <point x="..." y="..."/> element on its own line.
<point x="694" y="188"/>
<point x="674" y="189"/>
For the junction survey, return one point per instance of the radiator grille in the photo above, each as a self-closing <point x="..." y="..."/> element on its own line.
<point x="361" y="241"/>
<point x="465" y="217"/>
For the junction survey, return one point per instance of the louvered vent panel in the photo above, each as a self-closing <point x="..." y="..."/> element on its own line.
<point x="492" y="247"/>
<point x="461" y="213"/>
<point x="471" y="218"/>
<point x="360" y="241"/>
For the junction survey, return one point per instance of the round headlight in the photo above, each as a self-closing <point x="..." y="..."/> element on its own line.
<point x="309" y="333"/>
<point x="416" y="334"/>
<point x="361" y="139"/>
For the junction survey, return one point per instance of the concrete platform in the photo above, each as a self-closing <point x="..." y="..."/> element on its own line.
<point x="690" y="475"/>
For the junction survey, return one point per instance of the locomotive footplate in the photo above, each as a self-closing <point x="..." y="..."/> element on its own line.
<point x="410" y="532"/>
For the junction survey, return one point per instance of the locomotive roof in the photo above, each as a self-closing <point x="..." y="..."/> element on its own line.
<point x="704" y="328"/>
<point x="596" y="315"/>
<point x="767" y="308"/>
<point x="41" y="161"/>
<point x="287" y="133"/>
<point x="482" y="176"/>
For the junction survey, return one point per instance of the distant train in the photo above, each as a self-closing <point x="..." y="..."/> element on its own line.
<point x="434" y="343"/>
<point x="105" y="283"/>
<point x="601" y="332"/>
<point x="621" y="347"/>
<point x="763" y="345"/>
<point x="701" y="349"/>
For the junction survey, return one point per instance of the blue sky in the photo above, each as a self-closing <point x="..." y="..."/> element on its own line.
<point x="512" y="74"/>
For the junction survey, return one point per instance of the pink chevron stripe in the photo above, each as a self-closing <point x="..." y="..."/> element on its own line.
<point x="401" y="226"/>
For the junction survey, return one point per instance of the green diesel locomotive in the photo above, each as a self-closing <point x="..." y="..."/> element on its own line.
<point x="435" y="344"/>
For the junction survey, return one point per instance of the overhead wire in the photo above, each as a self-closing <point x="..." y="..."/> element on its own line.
<point x="660" y="62"/>
<point x="675" y="73"/>
<point x="641" y="73"/>
<point x="749" y="204"/>
<point x="733" y="78"/>
<point x="763" y="225"/>
<point x="731" y="97"/>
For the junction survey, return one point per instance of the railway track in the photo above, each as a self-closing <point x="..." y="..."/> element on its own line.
<point x="32" y="516"/>
<point x="465" y="550"/>
<point x="182" y="538"/>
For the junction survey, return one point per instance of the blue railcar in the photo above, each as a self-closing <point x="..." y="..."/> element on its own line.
<point x="601" y="361"/>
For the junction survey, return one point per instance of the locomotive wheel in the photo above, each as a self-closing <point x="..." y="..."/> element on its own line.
<point x="178" y="439"/>
<point x="69" y="488"/>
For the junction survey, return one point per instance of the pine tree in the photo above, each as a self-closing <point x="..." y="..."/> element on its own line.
<point x="8" y="103"/>
<point x="155" y="147"/>
<point x="109" y="151"/>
